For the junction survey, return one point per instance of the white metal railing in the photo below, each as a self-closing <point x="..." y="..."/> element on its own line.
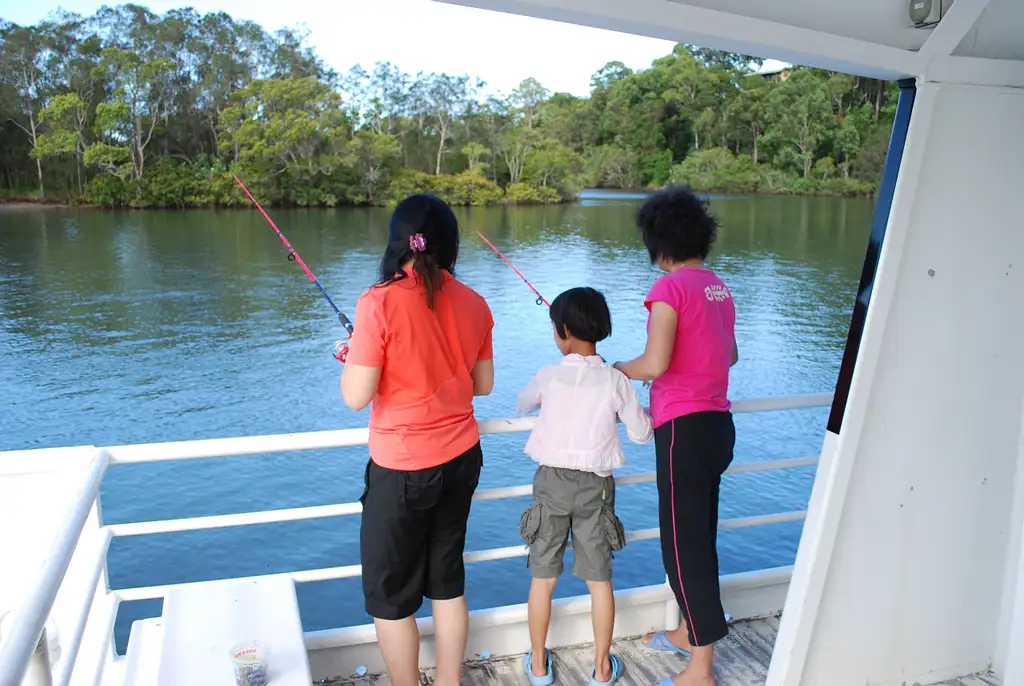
<point x="20" y="643"/>
<point x="18" y="646"/>
<point x="97" y="564"/>
<point x="347" y="438"/>
<point x="354" y="437"/>
<point x="341" y="509"/>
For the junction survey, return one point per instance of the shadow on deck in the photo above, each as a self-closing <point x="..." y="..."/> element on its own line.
<point x="742" y="659"/>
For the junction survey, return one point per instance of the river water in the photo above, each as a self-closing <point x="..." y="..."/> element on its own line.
<point x="131" y="327"/>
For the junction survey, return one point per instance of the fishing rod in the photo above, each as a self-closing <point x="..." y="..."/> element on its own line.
<point x="341" y="347"/>
<point x="294" y="257"/>
<point x="540" y="298"/>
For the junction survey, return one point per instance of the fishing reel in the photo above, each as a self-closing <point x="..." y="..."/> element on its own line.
<point x="341" y="350"/>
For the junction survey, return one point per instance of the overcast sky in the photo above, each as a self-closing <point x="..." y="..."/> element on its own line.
<point x="419" y="35"/>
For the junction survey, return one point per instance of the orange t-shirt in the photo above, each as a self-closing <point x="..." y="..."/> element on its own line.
<point x="422" y="413"/>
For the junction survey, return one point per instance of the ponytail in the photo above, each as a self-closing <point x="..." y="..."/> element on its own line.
<point x="425" y="267"/>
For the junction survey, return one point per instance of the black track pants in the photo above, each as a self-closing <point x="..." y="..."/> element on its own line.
<point x="692" y="452"/>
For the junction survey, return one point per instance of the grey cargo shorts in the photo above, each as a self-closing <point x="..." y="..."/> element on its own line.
<point x="581" y="503"/>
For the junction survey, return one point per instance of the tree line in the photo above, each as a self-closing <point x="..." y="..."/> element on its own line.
<point x="132" y="108"/>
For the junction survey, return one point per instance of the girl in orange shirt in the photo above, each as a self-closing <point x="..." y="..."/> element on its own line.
<point x="420" y="352"/>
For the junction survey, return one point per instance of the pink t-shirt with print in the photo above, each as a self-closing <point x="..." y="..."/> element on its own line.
<point x="697" y="378"/>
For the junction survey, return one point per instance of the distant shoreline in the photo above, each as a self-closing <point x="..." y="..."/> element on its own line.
<point x="23" y="206"/>
<point x="32" y="206"/>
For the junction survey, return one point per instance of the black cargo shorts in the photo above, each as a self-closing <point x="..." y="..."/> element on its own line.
<point x="413" y="534"/>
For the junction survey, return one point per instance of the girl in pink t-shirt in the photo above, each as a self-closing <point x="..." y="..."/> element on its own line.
<point x="691" y="346"/>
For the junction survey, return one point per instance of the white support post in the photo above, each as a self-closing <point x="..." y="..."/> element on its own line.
<point x="1009" y="654"/>
<point x="899" y="576"/>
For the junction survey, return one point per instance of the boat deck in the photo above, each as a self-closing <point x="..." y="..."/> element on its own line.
<point x="741" y="660"/>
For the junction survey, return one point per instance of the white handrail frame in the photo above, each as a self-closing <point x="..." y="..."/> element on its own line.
<point x="18" y="645"/>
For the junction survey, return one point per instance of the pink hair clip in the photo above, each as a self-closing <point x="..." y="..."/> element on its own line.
<point x="417" y="243"/>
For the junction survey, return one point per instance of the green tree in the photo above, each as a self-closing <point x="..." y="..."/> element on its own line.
<point x="749" y="109"/>
<point x="446" y="97"/>
<point x="825" y="168"/>
<point x="556" y="165"/>
<point x="293" y="131"/>
<point x="23" y="60"/>
<point x="516" y="145"/>
<point x="141" y="91"/>
<point x="571" y="120"/>
<point x="133" y="106"/>
<point x="495" y="118"/>
<point x="717" y="169"/>
<point x="799" y="110"/>
<point x="613" y="167"/>
<point x="475" y="154"/>
<point x="66" y="118"/>
<point x="690" y="87"/>
<point x="609" y="74"/>
<point x="528" y="98"/>
<point x="847" y="143"/>
<point x="369" y="152"/>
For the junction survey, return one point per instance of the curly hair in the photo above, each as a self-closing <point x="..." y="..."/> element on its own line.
<point x="676" y="225"/>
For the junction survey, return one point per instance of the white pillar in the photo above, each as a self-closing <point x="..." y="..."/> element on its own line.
<point x="1009" y="655"/>
<point x="901" y="569"/>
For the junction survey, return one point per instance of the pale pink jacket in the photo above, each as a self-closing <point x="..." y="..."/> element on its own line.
<point x="580" y="401"/>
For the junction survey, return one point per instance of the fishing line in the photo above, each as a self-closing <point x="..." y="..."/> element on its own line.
<point x="540" y="298"/>
<point x="293" y="256"/>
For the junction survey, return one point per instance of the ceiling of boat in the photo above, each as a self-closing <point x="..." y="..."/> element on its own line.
<point x="876" y="21"/>
<point x="999" y="33"/>
<point x="870" y="37"/>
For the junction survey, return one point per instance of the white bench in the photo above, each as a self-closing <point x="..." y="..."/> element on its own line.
<point x="203" y="622"/>
<point x="142" y="663"/>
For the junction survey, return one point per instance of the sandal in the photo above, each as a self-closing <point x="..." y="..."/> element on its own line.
<point x="547" y="679"/>
<point x="659" y="641"/>
<point x="617" y="670"/>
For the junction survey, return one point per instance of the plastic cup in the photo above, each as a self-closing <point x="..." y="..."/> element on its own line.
<point x="250" y="662"/>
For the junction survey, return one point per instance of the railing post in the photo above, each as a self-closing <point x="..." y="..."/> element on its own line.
<point x="17" y="648"/>
<point x="37" y="672"/>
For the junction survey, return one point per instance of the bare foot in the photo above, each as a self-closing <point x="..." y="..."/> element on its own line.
<point x="539" y="664"/>
<point x="603" y="671"/>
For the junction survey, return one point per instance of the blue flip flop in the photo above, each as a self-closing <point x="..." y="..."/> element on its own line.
<point x="547" y="679"/>
<point x="659" y="641"/>
<point x="617" y="670"/>
<point x="666" y="682"/>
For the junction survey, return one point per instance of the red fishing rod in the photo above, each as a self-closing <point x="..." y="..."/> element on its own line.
<point x="540" y="298"/>
<point x="293" y="256"/>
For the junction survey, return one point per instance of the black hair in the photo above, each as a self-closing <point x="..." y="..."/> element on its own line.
<point x="676" y="225"/>
<point x="430" y="216"/>
<point x="582" y="312"/>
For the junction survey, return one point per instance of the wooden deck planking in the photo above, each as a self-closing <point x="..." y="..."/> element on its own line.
<point x="742" y="659"/>
<point x="985" y="679"/>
